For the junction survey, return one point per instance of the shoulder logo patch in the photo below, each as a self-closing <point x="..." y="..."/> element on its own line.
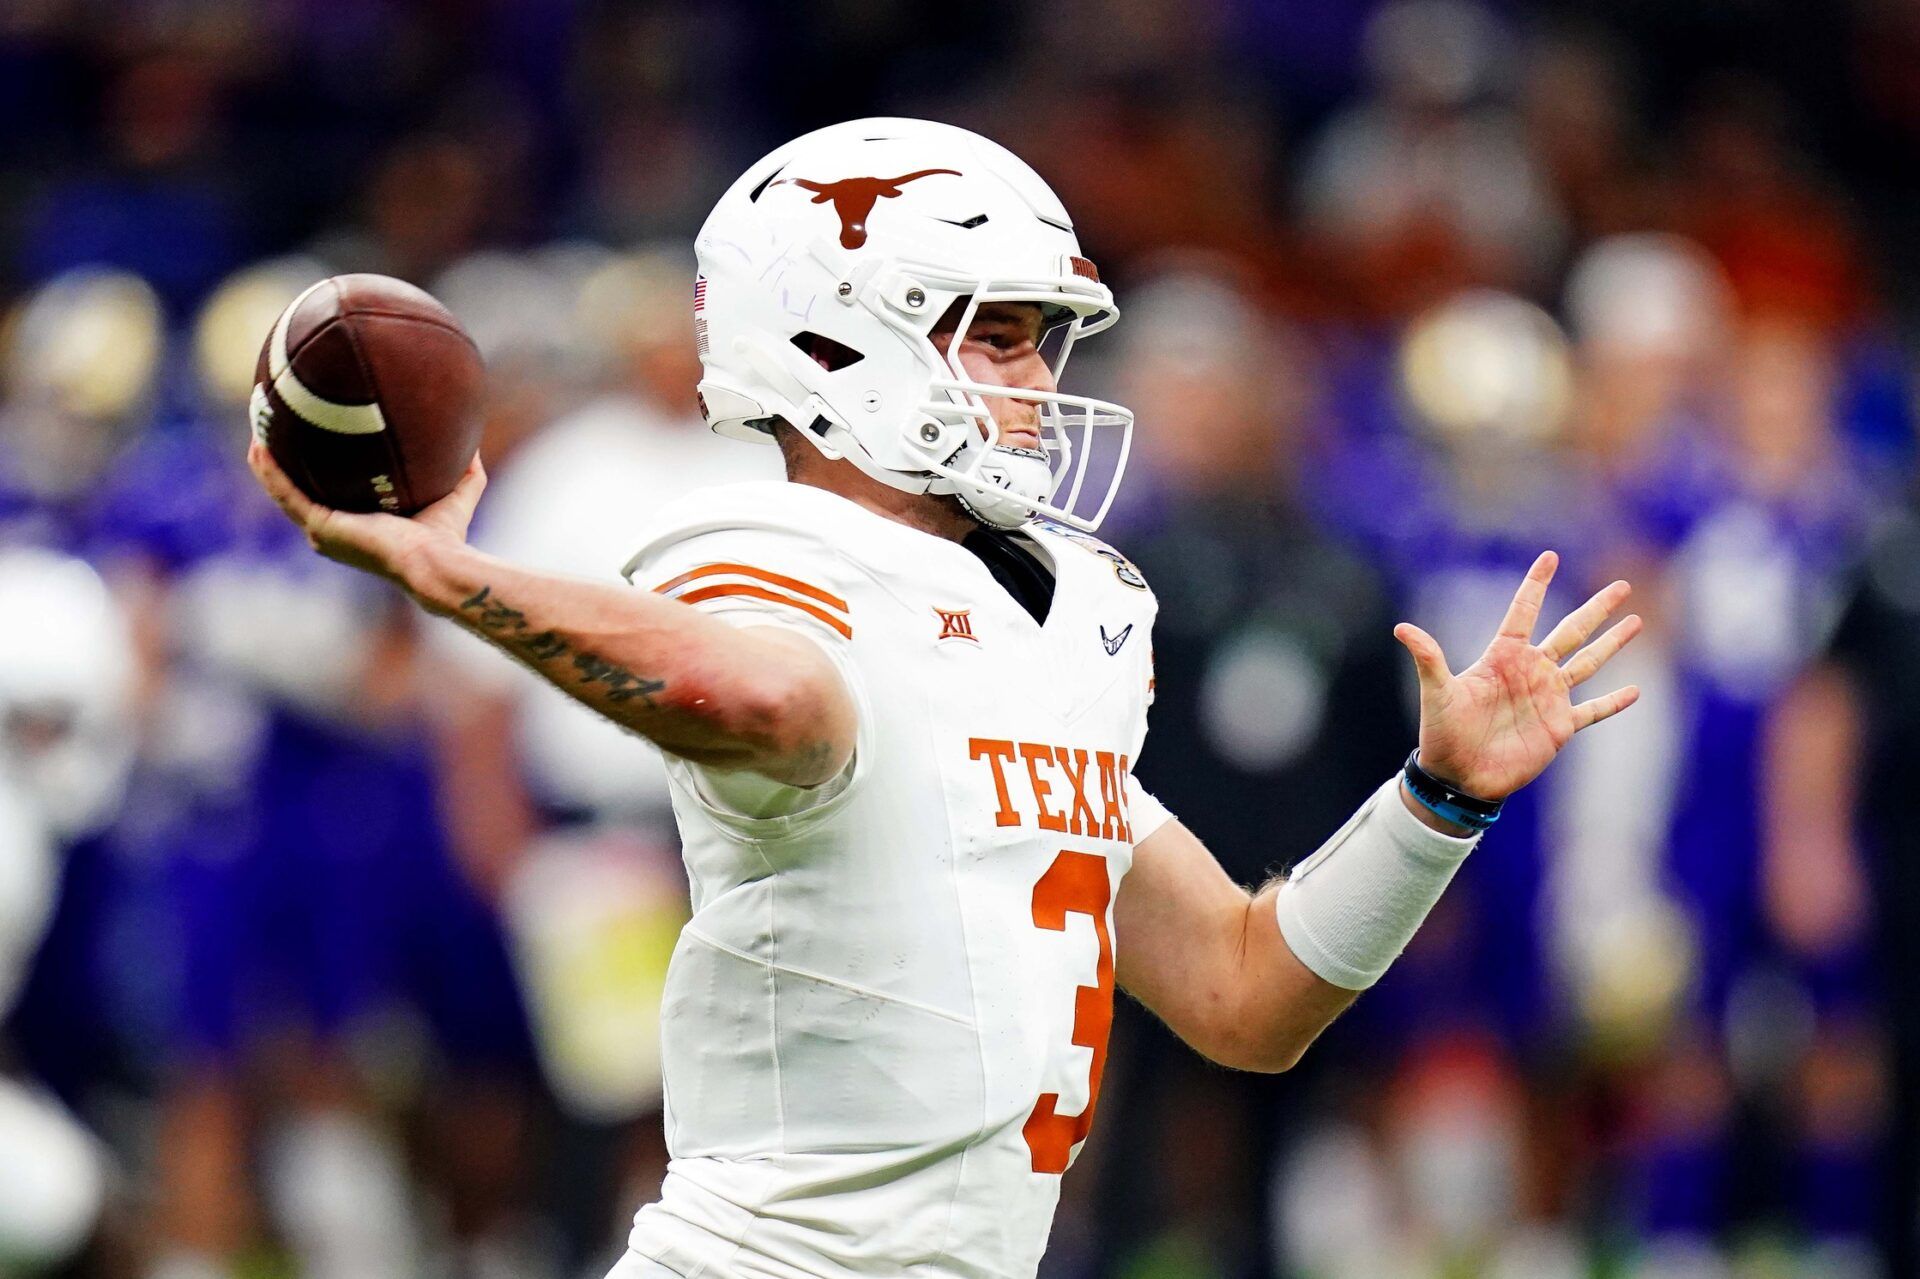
<point x="1122" y="566"/>
<point x="955" y="624"/>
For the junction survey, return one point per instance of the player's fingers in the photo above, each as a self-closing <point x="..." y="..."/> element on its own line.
<point x="474" y="482"/>
<point x="455" y="511"/>
<point x="1595" y="655"/>
<point x="466" y="494"/>
<point x="1577" y="625"/>
<point x="298" y="506"/>
<point x="1587" y="714"/>
<point x="1428" y="660"/>
<point x="1525" y="609"/>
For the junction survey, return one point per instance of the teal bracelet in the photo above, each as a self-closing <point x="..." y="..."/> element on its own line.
<point x="1446" y="802"/>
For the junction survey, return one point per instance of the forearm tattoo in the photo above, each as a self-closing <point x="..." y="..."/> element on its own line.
<point x="508" y="626"/>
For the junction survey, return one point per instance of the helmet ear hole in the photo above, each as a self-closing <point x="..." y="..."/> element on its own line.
<point x="827" y="353"/>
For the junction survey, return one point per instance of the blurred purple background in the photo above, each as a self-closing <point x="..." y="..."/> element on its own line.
<point x="330" y="946"/>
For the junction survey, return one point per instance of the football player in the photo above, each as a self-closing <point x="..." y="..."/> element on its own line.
<point x="900" y="695"/>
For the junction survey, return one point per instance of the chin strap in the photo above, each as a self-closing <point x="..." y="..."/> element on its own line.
<point x="1013" y="473"/>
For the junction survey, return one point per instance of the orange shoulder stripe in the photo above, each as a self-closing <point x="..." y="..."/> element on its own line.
<point x="762" y="593"/>
<point x="748" y="570"/>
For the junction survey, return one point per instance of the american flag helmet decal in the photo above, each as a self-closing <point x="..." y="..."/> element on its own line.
<point x="699" y="313"/>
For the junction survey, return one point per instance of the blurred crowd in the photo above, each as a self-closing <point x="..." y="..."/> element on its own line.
<point x="331" y="944"/>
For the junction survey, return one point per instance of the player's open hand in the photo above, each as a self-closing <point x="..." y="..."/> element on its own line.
<point x="1495" y="726"/>
<point x="376" y="543"/>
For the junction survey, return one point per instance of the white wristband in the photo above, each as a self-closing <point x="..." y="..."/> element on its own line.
<point x="1350" y="909"/>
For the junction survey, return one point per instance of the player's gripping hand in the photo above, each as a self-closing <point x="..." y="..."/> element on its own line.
<point x="376" y="543"/>
<point x="1495" y="726"/>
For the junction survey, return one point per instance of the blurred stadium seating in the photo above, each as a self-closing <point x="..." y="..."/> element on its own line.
<point x="331" y="945"/>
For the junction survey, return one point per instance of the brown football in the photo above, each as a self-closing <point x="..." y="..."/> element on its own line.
<point x="368" y="393"/>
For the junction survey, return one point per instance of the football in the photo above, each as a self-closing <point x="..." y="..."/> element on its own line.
<point x="368" y="393"/>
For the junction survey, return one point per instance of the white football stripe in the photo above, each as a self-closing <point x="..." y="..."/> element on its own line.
<point x="344" y="419"/>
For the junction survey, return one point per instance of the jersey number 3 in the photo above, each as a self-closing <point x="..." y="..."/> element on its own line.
<point x="1075" y="883"/>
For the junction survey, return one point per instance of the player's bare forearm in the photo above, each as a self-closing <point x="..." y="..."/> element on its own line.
<point x="697" y="687"/>
<point x="1206" y="956"/>
<point x="754" y="699"/>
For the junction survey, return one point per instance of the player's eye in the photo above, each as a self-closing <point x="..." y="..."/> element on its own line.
<point x="1003" y="337"/>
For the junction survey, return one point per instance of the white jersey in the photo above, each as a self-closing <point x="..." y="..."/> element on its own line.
<point x="886" y="1023"/>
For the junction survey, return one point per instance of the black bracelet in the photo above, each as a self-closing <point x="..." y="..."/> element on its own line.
<point x="1447" y="802"/>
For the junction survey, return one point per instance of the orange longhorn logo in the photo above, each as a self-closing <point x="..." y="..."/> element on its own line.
<point x="853" y="199"/>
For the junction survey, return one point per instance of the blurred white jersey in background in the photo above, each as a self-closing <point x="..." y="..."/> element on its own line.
<point x="575" y="499"/>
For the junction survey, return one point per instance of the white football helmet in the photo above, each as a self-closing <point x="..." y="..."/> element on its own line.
<point x="865" y="234"/>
